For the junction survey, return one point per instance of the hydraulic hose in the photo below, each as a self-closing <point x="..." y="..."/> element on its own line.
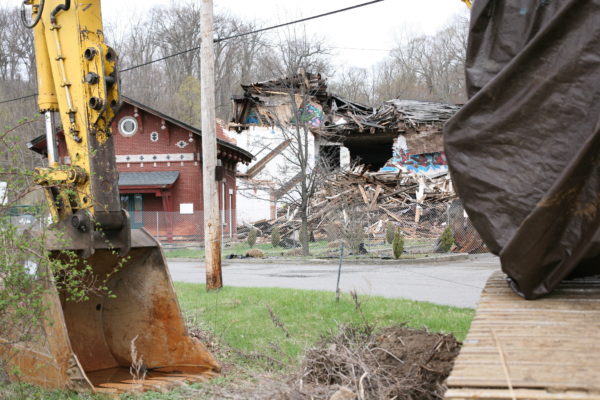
<point x="37" y="18"/>
<point x="59" y="8"/>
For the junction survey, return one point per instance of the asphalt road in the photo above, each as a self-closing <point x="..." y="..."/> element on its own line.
<point x="455" y="283"/>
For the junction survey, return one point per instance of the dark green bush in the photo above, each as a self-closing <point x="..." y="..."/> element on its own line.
<point x="390" y="230"/>
<point x="275" y="237"/>
<point x="446" y="240"/>
<point x="252" y="237"/>
<point x="398" y="244"/>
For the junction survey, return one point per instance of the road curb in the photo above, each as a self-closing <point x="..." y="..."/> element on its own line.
<point x="319" y="261"/>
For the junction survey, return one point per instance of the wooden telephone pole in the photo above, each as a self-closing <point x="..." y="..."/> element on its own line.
<point x="212" y="220"/>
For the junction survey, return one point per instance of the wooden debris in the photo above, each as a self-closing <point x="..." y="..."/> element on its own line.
<point x="373" y="197"/>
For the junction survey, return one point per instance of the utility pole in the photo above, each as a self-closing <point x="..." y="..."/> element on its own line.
<point x="212" y="222"/>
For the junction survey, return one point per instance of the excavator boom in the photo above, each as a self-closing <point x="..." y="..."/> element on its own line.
<point x="87" y="345"/>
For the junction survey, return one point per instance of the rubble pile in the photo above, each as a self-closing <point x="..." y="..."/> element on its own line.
<point x="370" y="199"/>
<point x="393" y="115"/>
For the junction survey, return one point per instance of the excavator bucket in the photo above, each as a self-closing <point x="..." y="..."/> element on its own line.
<point x="91" y="345"/>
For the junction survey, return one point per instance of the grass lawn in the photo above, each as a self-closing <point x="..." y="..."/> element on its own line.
<point x="268" y="329"/>
<point x="241" y="317"/>
<point x="317" y="249"/>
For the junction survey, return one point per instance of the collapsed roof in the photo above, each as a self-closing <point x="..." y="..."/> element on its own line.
<point x="369" y="133"/>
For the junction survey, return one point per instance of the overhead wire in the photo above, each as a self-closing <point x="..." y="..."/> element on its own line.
<point x="218" y="40"/>
<point x="18" y="98"/>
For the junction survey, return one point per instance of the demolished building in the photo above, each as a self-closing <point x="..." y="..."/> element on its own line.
<point x="394" y="150"/>
<point x="399" y="136"/>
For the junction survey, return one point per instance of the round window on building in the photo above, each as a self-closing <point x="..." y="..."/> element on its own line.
<point x="128" y="126"/>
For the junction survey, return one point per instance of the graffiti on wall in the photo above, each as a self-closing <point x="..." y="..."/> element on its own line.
<point x="422" y="164"/>
<point x="252" y="118"/>
<point x="311" y="115"/>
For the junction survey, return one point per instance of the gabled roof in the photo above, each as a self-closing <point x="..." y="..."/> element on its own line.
<point x="246" y="156"/>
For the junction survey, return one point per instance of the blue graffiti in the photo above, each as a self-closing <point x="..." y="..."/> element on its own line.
<point x="427" y="163"/>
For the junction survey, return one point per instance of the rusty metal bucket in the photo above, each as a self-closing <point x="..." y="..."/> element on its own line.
<point x="87" y="345"/>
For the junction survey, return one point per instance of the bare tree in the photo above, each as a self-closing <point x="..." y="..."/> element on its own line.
<point x="354" y="84"/>
<point x="16" y="47"/>
<point x="235" y="59"/>
<point x="164" y="31"/>
<point x="300" y="174"/>
<point x="435" y="63"/>
<point x="137" y="45"/>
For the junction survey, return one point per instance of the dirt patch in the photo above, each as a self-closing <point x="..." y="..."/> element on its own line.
<point x="356" y="363"/>
<point x="395" y="362"/>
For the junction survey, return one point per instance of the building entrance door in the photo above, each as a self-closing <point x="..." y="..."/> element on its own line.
<point x="134" y="204"/>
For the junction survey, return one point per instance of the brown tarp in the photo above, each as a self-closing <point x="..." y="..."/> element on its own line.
<point x="524" y="152"/>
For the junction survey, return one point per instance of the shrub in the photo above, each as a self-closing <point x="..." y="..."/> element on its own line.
<point x="355" y="236"/>
<point x="30" y="274"/>
<point x="252" y="237"/>
<point x="294" y="252"/>
<point x="446" y="240"/>
<point x="255" y="253"/>
<point x="333" y="230"/>
<point x="398" y="244"/>
<point x="390" y="231"/>
<point x="275" y="237"/>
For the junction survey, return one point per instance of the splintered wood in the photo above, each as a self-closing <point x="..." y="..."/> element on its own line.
<point x="373" y="197"/>
<point x="545" y="349"/>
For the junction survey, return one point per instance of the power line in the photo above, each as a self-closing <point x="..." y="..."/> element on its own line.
<point x="18" y="98"/>
<point x="299" y="20"/>
<point x="218" y="40"/>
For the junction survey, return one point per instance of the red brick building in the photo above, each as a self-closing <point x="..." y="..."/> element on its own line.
<point x="160" y="172"/>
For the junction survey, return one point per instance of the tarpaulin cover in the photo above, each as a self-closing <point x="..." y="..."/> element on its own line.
<point x="524" y="152"/>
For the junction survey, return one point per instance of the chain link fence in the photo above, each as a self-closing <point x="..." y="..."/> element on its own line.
<point x="423" y="229"/>
<point x="177" y="230"/>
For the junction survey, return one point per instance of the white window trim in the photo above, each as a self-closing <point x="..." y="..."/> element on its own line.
<point x="122" y="121"/>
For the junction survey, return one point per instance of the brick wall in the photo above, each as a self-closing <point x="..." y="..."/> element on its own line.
<point x="188" y="187"/>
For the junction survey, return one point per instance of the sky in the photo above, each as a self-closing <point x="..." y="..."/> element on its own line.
<point x="372" y="28"/>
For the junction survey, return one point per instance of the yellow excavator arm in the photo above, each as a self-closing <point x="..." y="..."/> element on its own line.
<point x="77" y="77"/>
<point x="86" y="345"/>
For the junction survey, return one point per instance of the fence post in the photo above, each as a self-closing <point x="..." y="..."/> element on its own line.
<point x="337" y="285"/>
<point x="157" y="227"/>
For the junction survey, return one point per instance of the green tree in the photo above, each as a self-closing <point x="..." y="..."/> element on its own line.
<point x="188" y="101"/>
<point x="398" y="244"/>
<point x="390" y="230"/>
<point x="275" y="237"/>
<point x="252" y="237"/>
<point x="446" y="240"/>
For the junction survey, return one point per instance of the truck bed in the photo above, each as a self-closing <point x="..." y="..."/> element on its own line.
<point x="545" y="349"/>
